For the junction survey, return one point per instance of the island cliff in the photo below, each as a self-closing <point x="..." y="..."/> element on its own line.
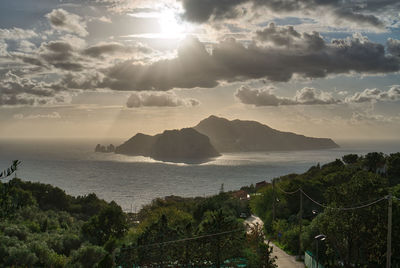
<point x="215" y="134"/>
<point x="247" y="136"/>
<point x="186" y="146"/>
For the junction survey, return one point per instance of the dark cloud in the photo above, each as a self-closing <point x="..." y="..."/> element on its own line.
<point x="67" y="56"/>
<point x="60" y="54"/>
<point x="290" y="38"/>
<point x="350" y="11"/>
<point x="281" y="36"/>
<point x="192" y="68"/>
<point x="393" y="47"/>
<point x="201" y="11"/>
<point x="99" y="50"/>
<point x="232" y="61"/>
<point x="65" y="21"/>
<point x="80" y="80"/>
<point x="29" y="59"/>
<point x="18" y="90"/>
<point x="266" y="97"/>
<point x="158" y="99"/>
<point x="14" y="84"/>
<point x="379" y="5"/>
<point x="358" y="18"/>
<point x="276" y="54"/>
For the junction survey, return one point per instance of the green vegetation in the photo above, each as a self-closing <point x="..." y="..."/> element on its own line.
<point x="42" y="226"/>
<point x="194" y="231"/>
<point x="354" y="237"/>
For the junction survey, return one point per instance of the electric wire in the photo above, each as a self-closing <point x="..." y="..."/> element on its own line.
<point x="345" y="208"/>
<point x="336" y="208"/>
<point x="286" y="191"/>
<point x="182" y="240"/>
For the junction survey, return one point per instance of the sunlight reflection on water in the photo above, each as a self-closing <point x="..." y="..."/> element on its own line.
<point x="135" y="181"/>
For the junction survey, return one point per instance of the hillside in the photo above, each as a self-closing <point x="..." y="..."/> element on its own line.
<point x="185" y="145"/>
<point x="247" y="136"/>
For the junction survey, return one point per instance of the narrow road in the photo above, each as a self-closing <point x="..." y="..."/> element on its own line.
<point x="283" y="259"/>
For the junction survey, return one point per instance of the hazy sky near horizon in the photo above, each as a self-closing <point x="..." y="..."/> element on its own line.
<point x="111" y="68"/>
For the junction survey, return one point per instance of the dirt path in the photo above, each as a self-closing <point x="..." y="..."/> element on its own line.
<point x="283" y="259"/>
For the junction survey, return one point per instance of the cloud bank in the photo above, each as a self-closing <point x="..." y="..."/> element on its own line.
<point x="312" y="96"/>
<point x="373" y="95"/>
<point x="233" y="61"/>
<point x="266" y="97"/>
<point x="349" y="11"/>
<point x="158" y="99"/>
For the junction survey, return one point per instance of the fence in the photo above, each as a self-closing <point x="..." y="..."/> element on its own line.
<point x="310" y="261"/>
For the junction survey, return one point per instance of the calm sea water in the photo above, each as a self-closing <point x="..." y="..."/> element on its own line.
<point x="134" y="181"/>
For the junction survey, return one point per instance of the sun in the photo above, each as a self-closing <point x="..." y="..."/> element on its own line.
<point x="171" y="26"/>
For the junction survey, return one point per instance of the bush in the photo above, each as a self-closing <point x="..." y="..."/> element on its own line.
<point x="20" y="256"/>
<point x="19" y="232"/>
<point x="87" y="256"/>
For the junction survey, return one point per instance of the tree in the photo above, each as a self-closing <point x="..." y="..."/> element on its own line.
<point x="350" y="159"/>
<point x="150" y="244"/>
<point x="221" y="246"/>
<point x="394" y="169"/>
<point x="372" y="161"/>
<point x="261" y="252"/>
<point x="359" y="235"/>
<point x="110" y="223"/>
<point x="87" y="256"/>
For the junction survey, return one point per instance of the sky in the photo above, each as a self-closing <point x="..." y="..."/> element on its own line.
<point x="111" y="68"/>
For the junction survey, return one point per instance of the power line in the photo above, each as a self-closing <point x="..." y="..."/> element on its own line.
<point x="345" y="208"/>
<point x="335" y="208"/>
<point x="389" y="197"/>
<point x="285" y="191"/>
<point x="182" y="240"/>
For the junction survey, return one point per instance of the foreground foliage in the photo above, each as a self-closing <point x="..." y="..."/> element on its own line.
<point x="197" y="232"/>
<point x="355" y="237"/>
<point x="42" y="226"/>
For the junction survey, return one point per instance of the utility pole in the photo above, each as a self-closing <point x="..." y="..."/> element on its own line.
<point x="300" y="220"/>
<point x="389" y="233"/>
<point x="218" y="261"/>
<point x="274" y="201"/>
<point x="317" y="253"/>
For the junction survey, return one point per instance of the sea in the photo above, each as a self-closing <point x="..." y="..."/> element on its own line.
<point x="132" y="181"/>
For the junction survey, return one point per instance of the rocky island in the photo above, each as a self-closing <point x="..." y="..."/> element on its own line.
<point x="213" y="135"/>
<point x="250" y="136"/>
<point x="184" y="146"/>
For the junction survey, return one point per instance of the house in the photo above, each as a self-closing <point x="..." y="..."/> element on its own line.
<point x="261" y="184"/>
<point x="241" y="194"/>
